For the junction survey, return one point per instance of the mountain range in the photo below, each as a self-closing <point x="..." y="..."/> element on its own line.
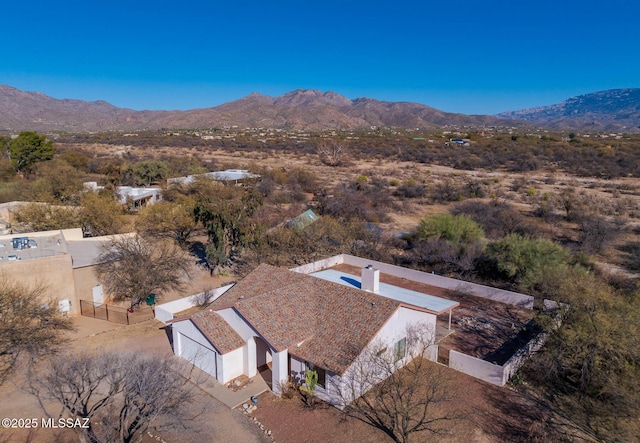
<point x="615" y="110"/>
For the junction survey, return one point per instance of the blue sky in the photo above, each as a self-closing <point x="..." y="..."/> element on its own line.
<point x="458" y="56"/>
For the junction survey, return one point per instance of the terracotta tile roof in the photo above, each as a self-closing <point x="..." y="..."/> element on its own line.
<point x="331" y="323"/>
<point x="217" y="331"/>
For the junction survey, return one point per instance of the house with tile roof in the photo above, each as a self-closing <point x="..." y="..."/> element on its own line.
<point x="285" y="322"/>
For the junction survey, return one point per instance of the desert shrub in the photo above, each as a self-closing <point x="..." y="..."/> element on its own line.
<point x="77" y="159"/>
<point x="266" y="186"/>
<point x="11" y="191"/>
<point x="411" y="189"/>
<point x="365" y="201"/>
<point x="443" y="257"/>
<point x="632" y="255"/>
<point x="62" y="181"/>
<point x="446" y="191"/>
<point x="497" y="218"/>
<point x="45" y="217"/>
<point x="524" y="260"/>
<point x="180" y="166"/>
<point x="447" y="243"/>
<point x="287" y="246"/>
<point x="449" y="227"/>
<point x="588" y="368"/>
<point x="597" y="232"/>
<point x="307" y="180"/>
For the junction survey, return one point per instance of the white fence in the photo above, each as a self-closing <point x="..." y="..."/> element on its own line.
<point x="495" y="374"/>
<point x="476" y="367"/>
<point x="165" y="312"/>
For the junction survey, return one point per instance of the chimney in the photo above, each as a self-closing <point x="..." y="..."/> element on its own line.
<point x="370" y="279"/>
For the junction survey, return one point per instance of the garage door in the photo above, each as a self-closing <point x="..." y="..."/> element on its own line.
<point x="201" y="356"/>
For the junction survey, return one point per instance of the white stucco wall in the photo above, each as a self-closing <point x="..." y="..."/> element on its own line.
<point x="190" y="344"/>
<point x="394" y="330"/>
<point x="256" y="352"/>
<point x="166" y="311"/>
<point x="477" y="368"/>
<point x="297" y="369"/>
<point x="280" y="370"/>
<point x="234" y="319"/>
<point x="232" y="365"/>
<point x="319" y="265"/>
<point x="396" y="326"/>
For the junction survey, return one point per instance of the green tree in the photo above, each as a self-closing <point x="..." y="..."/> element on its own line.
<point x="226" y="215"/>
<point x="168" y="219"/>
<point x="46" y="217"/>
<point x="145" y="173"/>
<point x="589" y="368"/>
<point x="100" y="214"/>
<point x="28" y="149"/>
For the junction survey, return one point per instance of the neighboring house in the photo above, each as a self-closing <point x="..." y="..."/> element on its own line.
<point x="63" y="261"/>
<point x="138" y="198"/>
<point x="134" y="198"/>
<point x="234" y="176"/>
<point x="289" y="322"/>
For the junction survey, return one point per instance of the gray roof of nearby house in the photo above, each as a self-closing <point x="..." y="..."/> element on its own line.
<point x="226" y="175"/>
<point x="85" y="252"/>
<point x="45" y="246"/>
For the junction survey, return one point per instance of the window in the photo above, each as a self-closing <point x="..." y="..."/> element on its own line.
<point x="322" y="375"/>
<point x="400" y="349"/>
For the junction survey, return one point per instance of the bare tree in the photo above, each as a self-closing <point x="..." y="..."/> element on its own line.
<point x="404" y="393"/>
<point x="28" y="323"/>
<point x="333" y="153"/>
<point x="114" y="396"/>
<point x="132" y="268"/>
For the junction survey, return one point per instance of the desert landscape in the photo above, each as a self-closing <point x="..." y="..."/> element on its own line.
<point x="576" y="197"/>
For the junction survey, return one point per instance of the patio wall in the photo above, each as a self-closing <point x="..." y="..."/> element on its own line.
<point x="512" y="298"/>
<point x="509" y="297"/>
<point x="476" y="367"/>
<point x="496" y="374"/>
<point x="165" y="312"/>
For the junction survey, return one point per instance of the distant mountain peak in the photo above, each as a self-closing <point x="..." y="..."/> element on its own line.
<point x="313" y="97"/>
<point x="615" y="110"/>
